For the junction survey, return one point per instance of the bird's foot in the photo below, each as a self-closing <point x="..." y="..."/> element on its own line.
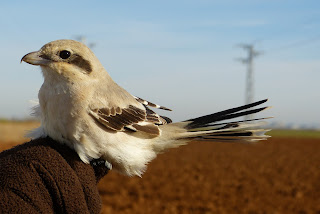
<point x="100" y="162"/>
<point x="97" y="162"/>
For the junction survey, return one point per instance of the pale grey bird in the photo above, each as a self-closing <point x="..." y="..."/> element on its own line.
<point x="81" y="106"/>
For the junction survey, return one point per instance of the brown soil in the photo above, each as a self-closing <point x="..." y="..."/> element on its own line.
<point x="281" y="175"/>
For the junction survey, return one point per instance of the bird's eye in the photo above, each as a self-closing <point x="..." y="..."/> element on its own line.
<point x="64" y="54"/>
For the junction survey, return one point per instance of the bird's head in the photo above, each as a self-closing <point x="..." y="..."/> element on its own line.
<point x="64" y="57"/>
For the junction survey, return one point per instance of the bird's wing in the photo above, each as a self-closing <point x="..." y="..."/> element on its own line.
<point x="147" y="104"/>
<point x="130" y="118"/>
<point x="150" y="104"/>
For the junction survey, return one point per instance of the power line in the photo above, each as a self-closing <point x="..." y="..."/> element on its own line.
<point x="252" y="54"/>
<point x="295" y="44"/>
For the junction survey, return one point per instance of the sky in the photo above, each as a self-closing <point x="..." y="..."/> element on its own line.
<point x="180" y="54"/>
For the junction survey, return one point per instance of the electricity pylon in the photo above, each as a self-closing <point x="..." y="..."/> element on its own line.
<point x="252" y="53"/>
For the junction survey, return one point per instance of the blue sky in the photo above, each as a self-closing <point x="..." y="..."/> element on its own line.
<point x="181" y="54"/>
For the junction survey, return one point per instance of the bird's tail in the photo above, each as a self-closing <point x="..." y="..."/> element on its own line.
<point x="214" y="128"/>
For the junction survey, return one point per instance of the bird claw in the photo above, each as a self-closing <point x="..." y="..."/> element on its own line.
<point x="100" y="162"/>
<point x="97" y="162"/>
<point x="108" y="165"/>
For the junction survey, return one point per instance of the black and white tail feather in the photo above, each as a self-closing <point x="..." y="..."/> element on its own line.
<point x="213" y="128"/>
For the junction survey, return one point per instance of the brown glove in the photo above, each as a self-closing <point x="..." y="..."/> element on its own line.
<point x="44" y="176"/>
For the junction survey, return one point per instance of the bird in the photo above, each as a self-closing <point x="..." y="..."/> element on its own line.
<point x="82" y="107"/>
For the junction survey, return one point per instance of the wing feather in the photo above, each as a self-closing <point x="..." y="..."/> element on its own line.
<point x="150" y="104"/>
<point x="132" y="118"/>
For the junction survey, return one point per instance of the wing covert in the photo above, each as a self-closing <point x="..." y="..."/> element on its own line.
<point x="132" y="118"/>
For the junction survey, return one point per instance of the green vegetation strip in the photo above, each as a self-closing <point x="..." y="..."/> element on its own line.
<point x="295" y="133"/>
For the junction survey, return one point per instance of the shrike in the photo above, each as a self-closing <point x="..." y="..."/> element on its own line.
<point x="81" y="106"/>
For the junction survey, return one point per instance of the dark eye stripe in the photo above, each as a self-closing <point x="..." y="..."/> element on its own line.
<point x="81" y="63"/>
<point x="76" y="60"/>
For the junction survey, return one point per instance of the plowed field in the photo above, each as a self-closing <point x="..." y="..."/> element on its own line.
<point x="281" y="175"/>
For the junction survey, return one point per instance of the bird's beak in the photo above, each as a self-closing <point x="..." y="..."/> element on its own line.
<point x="34" y="58"/>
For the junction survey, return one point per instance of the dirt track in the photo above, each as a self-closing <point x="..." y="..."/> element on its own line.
<point x="281" y="175"/>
